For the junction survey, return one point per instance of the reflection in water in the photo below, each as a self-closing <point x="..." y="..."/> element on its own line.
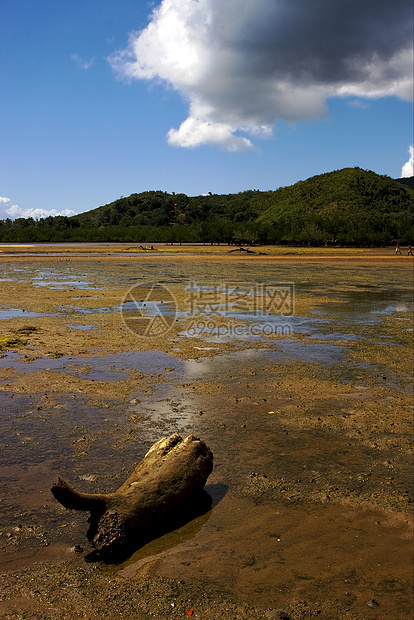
<point x="366" y="307"/>
<point x="177" y="534"/>
<point x="156" y="548"/>
<point x="109" y="368"/>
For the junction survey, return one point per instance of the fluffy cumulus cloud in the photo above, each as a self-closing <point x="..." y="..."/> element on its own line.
<point x="9" y="210"/>
<point x="245" y="64"/>
<point x="408" y="168"/>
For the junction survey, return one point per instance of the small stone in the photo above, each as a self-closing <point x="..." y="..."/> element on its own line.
<point x="373" y="603"/>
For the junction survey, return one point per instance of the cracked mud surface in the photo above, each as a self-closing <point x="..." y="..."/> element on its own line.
<point x="311" y="434"/>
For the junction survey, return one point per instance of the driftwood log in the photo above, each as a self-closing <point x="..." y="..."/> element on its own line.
<point x="167" y="483"/>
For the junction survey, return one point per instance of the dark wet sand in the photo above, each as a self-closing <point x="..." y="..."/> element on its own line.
<point x="312" y="437"/>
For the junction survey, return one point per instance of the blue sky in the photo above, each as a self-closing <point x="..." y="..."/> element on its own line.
<point x="102" y="98"/>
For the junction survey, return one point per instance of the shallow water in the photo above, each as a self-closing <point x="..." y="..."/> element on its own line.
<point x="114" y="367"/>
<point x="263" y="547"/>
<point x="14" y="313"/>
<point x="357" y="302"/>
<point x="323" y="335"/>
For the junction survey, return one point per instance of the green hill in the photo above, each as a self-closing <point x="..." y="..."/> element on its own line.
<point x="346" y="207"/>
<point x="349" y="206"/>
<point x="408" y="181"/>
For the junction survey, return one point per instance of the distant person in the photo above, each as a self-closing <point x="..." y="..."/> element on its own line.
<point x="409" y="252"/>
<point x="397" y="248"/>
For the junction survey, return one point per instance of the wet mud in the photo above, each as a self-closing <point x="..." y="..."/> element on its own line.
<point x="310" y="427"/>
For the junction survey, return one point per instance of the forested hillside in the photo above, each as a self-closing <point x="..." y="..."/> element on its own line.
<point x="346" y="207"/>
<point x="409" y="181"/>
<point x="349" y="206"/>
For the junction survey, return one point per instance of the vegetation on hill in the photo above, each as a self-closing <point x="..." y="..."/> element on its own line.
<point x="409" y="181"/>
<point x="346" y="207"/>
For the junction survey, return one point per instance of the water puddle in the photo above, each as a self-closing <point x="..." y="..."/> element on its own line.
<point x="208" y="369"/>
<point x="364" y="307"/>
<point x="294" y="350"/>
<point x="149" y="308"/>
<point x="55" y="279"/>
<point x="80" y="310"/>
<point x="335" y="336"/>
<point x="17" y="313"/>
<point x="82" y="327"/>
<point x="254" y="328"/>
<point x="110" y="368"/>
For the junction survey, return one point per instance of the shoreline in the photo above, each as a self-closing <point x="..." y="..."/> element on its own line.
<point x="197" y="252"/>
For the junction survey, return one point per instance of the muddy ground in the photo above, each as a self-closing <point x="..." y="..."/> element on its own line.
<point x="308" y="415"/>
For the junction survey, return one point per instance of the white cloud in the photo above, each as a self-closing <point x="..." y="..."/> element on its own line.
<point x="408" y="168"/>
<point x="5" y="207"/>
<point x="83" y="64"/>
<point x="172" y="47"/>
<point x="358" y="103"/>
<point x="11" y="211"/>
<point x="245" y="64"/>
<point x="196" y="130"/>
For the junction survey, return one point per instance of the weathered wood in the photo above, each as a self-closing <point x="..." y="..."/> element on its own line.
<point x="171" y="476"/>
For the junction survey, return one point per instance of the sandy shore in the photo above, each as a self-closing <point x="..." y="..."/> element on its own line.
<point x="200" y="249"/>
<point x="311" y="433"/>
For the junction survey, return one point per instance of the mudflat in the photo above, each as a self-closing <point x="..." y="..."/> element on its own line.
<point x="293" y="365"/>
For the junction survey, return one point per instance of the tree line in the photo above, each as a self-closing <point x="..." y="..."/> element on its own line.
<point x="346" y="207"/>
